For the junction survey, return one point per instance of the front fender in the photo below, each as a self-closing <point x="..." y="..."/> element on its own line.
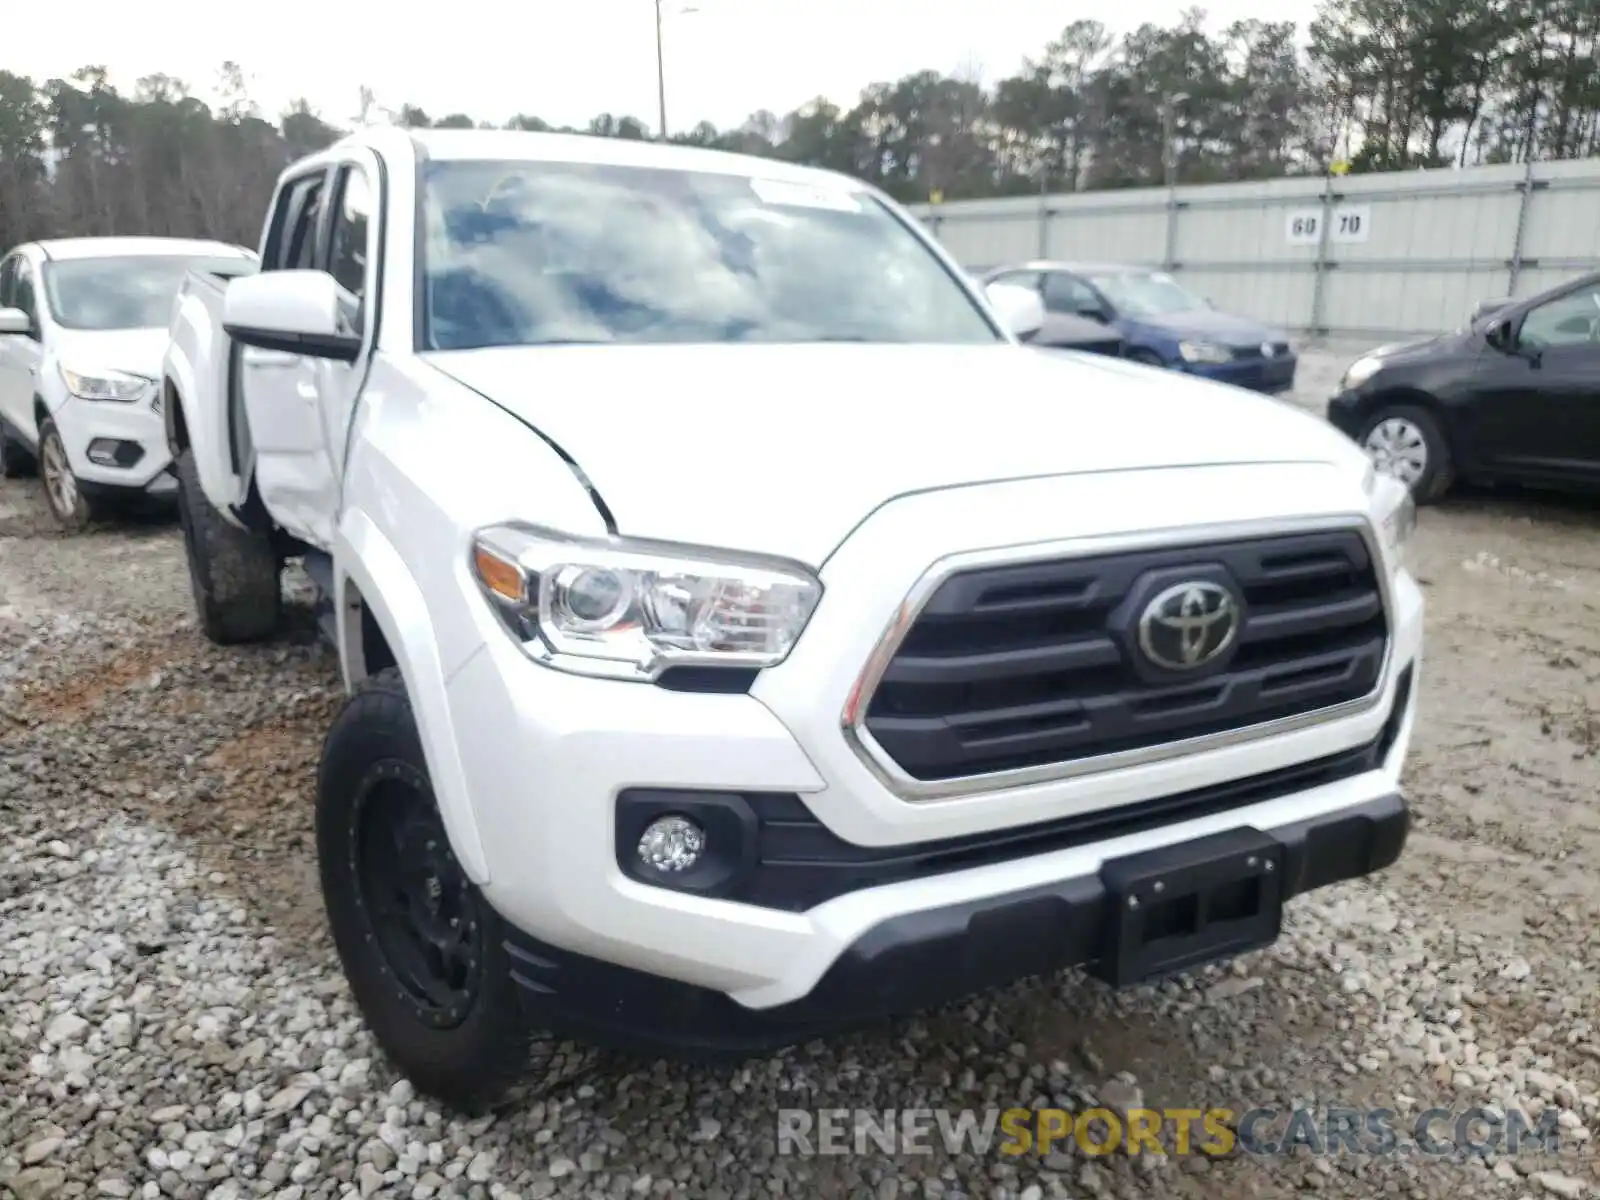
<point x="1137" y="337"/>
<point x="49" y="391"/>
<point x="367" y="563"/>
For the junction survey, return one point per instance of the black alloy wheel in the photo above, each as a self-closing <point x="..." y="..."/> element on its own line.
<point x="424" y="915"/>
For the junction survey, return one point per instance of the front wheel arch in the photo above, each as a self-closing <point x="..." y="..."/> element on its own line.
<point x="389" y="602"/>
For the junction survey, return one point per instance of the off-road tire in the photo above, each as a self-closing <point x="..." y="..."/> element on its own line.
<point x="489" y="1052"/>
<point x="15" y="459"/>
<point x="1438" y="474"/>
<point x="234" y="573"/>
<point x="77" y="512"/>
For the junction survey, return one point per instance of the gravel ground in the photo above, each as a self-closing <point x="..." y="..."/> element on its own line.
<point x="175" y="1023"/>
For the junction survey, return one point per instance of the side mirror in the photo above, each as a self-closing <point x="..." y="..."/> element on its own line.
<point x="1020" y="309"/>
<point x="1486" y="307"/>
<point x="297" y="312"/>
<point x="1501" y="335"/>
<point x="14" y="320"/>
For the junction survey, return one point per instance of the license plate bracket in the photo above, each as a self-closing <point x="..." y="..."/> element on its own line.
<point x="1182" y="906"/>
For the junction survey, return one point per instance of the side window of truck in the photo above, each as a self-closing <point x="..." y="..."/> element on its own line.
<point x="347" y="239"/>
<point x="292" y="239"/>
<point x="8" y="280"/>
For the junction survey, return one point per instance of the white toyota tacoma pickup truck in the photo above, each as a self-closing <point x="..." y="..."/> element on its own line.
<point x="745" y="636"/>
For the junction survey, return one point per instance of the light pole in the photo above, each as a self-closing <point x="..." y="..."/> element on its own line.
<point x="1169" y="171"/>
<point x="1169" y="137"/>
<point x="661" y="70"/>
<point x="661" y="79"/>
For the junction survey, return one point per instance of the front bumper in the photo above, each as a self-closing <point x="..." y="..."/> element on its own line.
<point x="546" y="756"/>
<point x="914" y="961"/>
<point x="1270" y="375"/>
<point x="1345" y="412"/>
<point x="141" y="461"/>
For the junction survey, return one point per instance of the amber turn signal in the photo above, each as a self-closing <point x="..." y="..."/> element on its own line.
<point x="500" y="576"/>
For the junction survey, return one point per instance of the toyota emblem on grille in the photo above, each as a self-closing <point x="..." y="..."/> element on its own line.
<point x="1268" y="350"/>
<point x="1188" y="625"/>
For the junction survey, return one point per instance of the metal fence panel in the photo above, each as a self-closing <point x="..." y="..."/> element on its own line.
<point x="1087" y="236"/>
<point x="1386" y="254"/>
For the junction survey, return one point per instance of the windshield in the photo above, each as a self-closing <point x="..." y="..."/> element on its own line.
<point x="518" y="254"/>
<point x="123" y="293"/>
<point x="1146" y="294"/>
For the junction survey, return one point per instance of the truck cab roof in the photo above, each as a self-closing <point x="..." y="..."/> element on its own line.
<point x="478" y="145"/>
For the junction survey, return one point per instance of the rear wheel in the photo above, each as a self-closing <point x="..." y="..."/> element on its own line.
<point x="1405" y="441"/>
<point x="423" y="951"/>
<point x="71" y="509"/>
<point x="15" y="461"/>
<point x="234" y="572"/>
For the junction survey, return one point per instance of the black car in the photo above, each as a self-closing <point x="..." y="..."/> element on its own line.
<point x="1513" y="396"/>
<point x="1063" y="331"/>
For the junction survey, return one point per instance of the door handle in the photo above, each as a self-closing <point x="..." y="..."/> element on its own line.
<point x="275" y="360"/>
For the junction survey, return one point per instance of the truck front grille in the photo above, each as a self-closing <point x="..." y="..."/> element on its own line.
<point x="1032" y="665"/>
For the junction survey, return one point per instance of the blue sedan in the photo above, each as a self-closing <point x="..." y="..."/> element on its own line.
<point x="1161" y="323"/>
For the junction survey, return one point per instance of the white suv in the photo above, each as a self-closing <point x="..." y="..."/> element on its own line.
<point x="746" y="636"/>
<point x="83" y="324"/>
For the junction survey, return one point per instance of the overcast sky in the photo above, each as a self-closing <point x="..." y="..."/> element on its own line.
<point x="561" y="61"/>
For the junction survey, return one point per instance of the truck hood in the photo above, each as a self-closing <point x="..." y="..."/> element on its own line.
<point x="137" y="351"/>
<point x="785" y="449"/>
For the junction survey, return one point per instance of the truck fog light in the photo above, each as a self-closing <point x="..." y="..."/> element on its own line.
<point x="671" y="844"/>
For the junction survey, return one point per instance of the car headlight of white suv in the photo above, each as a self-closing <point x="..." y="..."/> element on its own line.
<point x="102" y="383"/>
<point x="626" y="609"/>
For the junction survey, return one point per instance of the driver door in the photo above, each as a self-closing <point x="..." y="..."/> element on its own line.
<point x="1541" y="396"/>
<point x="301" y="408"/>
<point x="354" y="247"/>
<point x="25" y="354"/>
<point x="279" y="389"/>
<point x="14" y="382"/>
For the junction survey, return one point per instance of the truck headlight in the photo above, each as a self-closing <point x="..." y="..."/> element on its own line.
<point x="103" y="384"/>
<point x="1359" y="372"/>
<point x="1396" y="513"/>
<point x="630" y="609"/>
<point x="1204" y="352"/>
